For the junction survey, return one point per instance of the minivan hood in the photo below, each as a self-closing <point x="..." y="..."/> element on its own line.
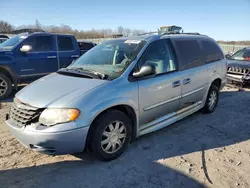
<point x="56" y="89"/>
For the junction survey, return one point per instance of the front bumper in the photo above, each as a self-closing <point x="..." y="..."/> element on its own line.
<point x="237" y="78"/>
<point x="65" y="142"/>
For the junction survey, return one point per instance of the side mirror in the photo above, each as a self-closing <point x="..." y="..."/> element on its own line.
<point x="146" y="70"/>
<point x="26" y="48"/>
<point x="228" y="56"/>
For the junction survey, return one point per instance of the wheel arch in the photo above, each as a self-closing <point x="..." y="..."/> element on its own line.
<point x="126" y="109"/>
<point x="217" y="82"/>
<point x="9" y="73"/>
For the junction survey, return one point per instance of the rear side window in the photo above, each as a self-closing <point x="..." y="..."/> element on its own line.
<point x="189" y="53"/>
<point x="40" y="43"/>
<point x="212" y="52"/>
<point x="65" y="43"/>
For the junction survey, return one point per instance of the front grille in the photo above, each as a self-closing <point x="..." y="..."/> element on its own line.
<point x="238" y="70"/>
<point x="22" y="114"/>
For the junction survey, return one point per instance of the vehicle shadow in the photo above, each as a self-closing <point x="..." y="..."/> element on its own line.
<point x="144" y="163"/>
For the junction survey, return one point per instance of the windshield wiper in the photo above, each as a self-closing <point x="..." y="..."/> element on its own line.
<point x="84" y="72"/>
<point x="99" y="74"/>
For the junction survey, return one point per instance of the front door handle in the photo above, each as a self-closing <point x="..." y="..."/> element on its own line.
<point x="176" y="83"/>
<point x="186" y="81"/>
<point x="51" y="57"/>
<point x="75" y="56"/>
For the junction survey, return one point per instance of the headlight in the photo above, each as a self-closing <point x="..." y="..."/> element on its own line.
<point x="51" y="117"/>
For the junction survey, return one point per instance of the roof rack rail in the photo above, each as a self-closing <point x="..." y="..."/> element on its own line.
<point x="192" y="33"/>
<point x="171" y="33"/>
<point x="148" y="33"/>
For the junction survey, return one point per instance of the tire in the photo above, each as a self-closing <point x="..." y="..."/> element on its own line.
<point x="101" y="144"/>
<point x="209" y="105"/>
<point x="5" y="86"/>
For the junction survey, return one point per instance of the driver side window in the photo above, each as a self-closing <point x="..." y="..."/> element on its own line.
<point x="159" y="54"/>
<point x="40" y="43"/>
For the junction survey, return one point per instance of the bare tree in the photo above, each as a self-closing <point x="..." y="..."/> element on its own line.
<point x="127" y="32"/>
<point x="38" y="25"/>
<point x="137" y="31"/>
<point x="93" y="33"/>
<point x="120" y="30"/>
<point x="5" y="27"/>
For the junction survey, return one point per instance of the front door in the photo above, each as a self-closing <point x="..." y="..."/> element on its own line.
<point x="41" y="60"/>
<point x="160" y="94"/>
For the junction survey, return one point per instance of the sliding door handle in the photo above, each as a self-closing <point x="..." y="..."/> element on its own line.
<point x="176" y="83"/>
<point x="186" y="81"/>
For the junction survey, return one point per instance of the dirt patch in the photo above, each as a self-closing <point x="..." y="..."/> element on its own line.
<point x="200" y="151"/>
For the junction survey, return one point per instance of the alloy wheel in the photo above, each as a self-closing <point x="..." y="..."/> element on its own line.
<point x="212" y="100"/>
<point x="3" y="87"/>
<point x="113" y="137"/>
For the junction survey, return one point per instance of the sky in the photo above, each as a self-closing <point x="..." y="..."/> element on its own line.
<point x="219" y="19"/>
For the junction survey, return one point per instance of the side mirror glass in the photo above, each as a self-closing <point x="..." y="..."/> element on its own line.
<point x="146" y="70"/>
<point x="228" y="56"/>
<point x="26" y="48"/>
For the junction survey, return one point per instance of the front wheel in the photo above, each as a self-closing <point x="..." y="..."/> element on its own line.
<point x="110" y="135"/>
<point x="5" y="86"/>
<point x="212" y="100"/>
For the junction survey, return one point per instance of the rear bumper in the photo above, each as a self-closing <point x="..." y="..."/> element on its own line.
<point x="72" y="141"/>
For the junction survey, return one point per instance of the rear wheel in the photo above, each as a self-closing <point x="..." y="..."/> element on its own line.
<point x="110" y="135"/>
<point x="212" y="100"/>
<point x="5" y="86"/>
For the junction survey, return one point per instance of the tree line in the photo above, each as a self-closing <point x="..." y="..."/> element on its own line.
<point x="6" y="27"/>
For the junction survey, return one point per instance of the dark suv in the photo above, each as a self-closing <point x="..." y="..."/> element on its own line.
<point x="239" y="66"/>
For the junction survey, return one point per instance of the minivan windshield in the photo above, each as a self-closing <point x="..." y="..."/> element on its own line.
<point x="12" y="42"/>
<point x="110" y="58"/>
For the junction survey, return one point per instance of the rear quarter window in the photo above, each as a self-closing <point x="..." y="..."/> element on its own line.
<point x="212" y="51"/>
<point x="189" y="53"/>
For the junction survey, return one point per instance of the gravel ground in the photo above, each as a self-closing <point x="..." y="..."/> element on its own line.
<point x="200" y="151"/>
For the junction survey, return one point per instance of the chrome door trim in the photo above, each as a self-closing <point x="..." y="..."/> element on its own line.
<point x="40" y="74"/>
<point x="169" y="119"/>
<point x="24" y="70"/>
<point x="161" y="103"/>
<point x="192" y="92"/>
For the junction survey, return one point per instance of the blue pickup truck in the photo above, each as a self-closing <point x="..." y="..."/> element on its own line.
<point x="26" y="57"/>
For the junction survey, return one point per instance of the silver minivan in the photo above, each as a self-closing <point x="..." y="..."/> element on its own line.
<point x="119" y="90"/>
